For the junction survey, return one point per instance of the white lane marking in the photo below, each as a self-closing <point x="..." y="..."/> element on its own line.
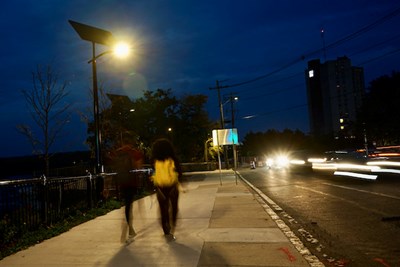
<point x="344" y="200"/>
<point x="363" y="191"/>
<point x="301" y="248"/>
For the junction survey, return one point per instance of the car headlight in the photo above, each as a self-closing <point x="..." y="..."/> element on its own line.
<point x="282" y="161"/>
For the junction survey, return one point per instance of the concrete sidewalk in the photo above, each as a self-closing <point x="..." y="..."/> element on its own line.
<point x="218" y="225"/>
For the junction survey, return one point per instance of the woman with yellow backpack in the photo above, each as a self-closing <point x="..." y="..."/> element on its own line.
<point x="167" y="173"/>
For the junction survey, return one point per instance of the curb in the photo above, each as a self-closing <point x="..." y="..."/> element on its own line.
<point x="267" y="203"/>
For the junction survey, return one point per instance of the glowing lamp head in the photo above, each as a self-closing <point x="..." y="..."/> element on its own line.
<point x="121" y="50"/>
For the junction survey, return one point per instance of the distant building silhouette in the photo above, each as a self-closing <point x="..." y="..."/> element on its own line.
<point x="335" y="90"/>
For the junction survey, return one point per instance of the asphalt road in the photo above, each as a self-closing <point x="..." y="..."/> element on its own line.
<point x="343" y="221"/>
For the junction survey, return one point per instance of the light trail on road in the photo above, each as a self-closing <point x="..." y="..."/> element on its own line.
<point x="363" y="191"/>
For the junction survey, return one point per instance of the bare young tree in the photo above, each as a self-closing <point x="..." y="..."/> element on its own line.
<point x="48" y="110"/>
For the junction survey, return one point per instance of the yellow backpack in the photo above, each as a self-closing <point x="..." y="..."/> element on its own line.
<point x="165" y="173"/>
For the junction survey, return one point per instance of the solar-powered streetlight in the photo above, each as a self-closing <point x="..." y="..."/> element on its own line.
<point x="103" y="37"/>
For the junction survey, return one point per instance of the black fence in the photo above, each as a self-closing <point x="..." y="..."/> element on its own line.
<point x="26" y="204"/>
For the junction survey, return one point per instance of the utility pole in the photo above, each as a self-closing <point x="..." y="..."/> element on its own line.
<point x="221" y="113"/>
<point x="221" y="109"/>
<point x="232" y="98"/>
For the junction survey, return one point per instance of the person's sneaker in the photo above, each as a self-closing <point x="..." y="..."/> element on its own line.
<point x="170" y="237"/>
<point x="131" y="237"/>
<point x="129" y="240"/>
<point x="132" y="231"/>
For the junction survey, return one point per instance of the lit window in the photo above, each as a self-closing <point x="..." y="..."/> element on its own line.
<point x="341" y="120"/>
<point x="311" y="73"/>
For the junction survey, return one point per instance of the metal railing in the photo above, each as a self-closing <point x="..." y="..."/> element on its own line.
<point x="28" y="203"/>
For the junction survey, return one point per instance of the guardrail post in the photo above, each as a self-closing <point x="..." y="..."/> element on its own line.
<point x="89" y="189"/>
<point x="99" y="188"/>
<point x="45" y="199"/>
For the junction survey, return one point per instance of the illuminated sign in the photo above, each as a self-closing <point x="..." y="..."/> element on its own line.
<point x="225" y="137"/>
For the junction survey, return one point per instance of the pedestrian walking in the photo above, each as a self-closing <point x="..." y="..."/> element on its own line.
<point x="167" y="173"/>
<point x="125" y="159"/>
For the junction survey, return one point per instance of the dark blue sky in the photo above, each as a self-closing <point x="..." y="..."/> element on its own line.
<point x="187" y="46"/>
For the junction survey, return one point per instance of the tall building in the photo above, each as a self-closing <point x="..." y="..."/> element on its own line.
<point x="335" y="90"/>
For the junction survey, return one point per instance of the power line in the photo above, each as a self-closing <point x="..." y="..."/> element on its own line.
<point x="273" y="111"/>
<point x="272" y="82"/>
<point x="277" y="91"/>
<point x="381" y="56"/>
<point x="332" y="45"/>
<point x="362" y="30"/>
<point x="375" y="45"/>
<point x="302" y="73"/>
<point x="293" y="107"/>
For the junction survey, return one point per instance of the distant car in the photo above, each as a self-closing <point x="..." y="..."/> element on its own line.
<point x="292" y="160"/>
<point x="301" y="160"/>
<point x="340" y="160"/>
<point x="277" y="161"/>
<point x="348" y="156"/>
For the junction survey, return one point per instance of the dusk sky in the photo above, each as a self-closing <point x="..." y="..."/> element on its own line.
<point x="258" y="48"/>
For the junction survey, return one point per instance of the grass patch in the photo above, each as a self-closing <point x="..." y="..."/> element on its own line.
<point x="14" y="240"/>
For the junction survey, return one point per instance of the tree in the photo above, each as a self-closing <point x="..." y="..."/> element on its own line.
<point x="380" y="111"/>
<point x="48" y="111"/>
<point x="193" y="127"/>
<point x="154" y="114"/>
<point x="158" y="114"/>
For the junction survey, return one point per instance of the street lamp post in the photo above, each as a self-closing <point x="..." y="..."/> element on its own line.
<point x="103" y="37"/>
<point x="231" y="99"/>
<point x="96" y="112"/>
